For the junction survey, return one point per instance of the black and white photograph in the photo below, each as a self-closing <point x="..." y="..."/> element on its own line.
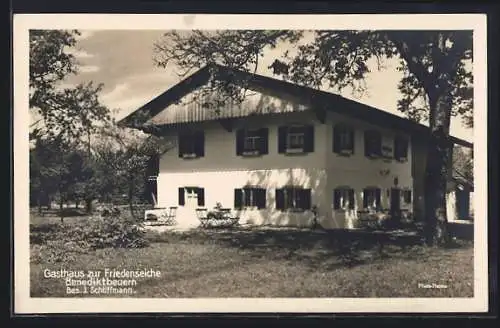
<point x="250" y="163"/>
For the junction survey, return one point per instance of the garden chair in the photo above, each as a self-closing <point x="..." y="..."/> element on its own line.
<point x="170" y="216"/>
<point x="201" y="213"/>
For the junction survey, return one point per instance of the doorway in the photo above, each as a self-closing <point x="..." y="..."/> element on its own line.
<point x="395" y="201"/>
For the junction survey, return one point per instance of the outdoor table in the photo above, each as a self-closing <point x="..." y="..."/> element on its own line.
<point x="219" y="217"/>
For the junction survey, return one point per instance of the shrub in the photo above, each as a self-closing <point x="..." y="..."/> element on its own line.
<point x="111" y="231"/>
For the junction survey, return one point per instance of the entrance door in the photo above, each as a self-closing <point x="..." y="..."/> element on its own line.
<point x="191" y="196"/>
<point x="395" y="201"/>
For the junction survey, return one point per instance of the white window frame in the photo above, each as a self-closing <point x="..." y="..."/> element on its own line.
<point x="253" y="140"/>
<point x="290" y="144"/>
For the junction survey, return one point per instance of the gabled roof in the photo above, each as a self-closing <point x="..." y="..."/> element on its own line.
<point x="315" y="98"/>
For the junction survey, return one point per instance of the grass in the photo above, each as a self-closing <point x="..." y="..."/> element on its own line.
<point x="273" y="263"/>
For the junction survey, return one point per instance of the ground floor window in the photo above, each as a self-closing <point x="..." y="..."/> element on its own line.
<point x="343" y="198"/>
<point x="371" y="198"/>
<point x="191" y="196"/>
<point x="250" y="197"/>
<point x="407" y="196"/>
<point x="293" y="198"/>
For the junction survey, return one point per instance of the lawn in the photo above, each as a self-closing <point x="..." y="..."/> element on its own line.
<point x="273" y="263"/>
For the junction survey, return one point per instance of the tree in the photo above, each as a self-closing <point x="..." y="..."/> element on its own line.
<point x="127" y="154"/>
<point x="436" y="84"/>
<point x="71" y="112"/>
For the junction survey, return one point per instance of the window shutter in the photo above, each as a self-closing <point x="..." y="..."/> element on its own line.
<point x="377" y="197"/>
<point x="306" y="199"/>
<point x="336" y="199"/>
<point x="200" y="144"/>
<point x="336" y="139"/>
<point x="181" y="197"/>
<point x="238" y="195"/>
<point x="280" y="199"/>
<point x="351" y="137"/>
<point x="282" y="131"/>
<point x="351" y="199"/>
<point x="264" y="140"/>
<point x="309" y="139"/>
<point x="240" y="136"/>
<point x="180" y="144"/>
<point x="201" y="197"/>
<point x="365" y="198"/>
<point x="261" y="198"/>
<point x="367" y="144"/>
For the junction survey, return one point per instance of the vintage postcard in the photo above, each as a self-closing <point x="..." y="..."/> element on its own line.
<point x="250" y="163"/>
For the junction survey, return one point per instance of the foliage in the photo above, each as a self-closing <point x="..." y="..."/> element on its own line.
<point x="463" y="163"/>
<point x="66" y="112"/>
<point x="58" y="242"/>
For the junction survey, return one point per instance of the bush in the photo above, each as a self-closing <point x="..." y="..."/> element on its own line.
<point x="108" y="232"/>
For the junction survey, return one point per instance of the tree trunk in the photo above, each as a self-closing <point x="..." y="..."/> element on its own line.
<point x="88" y="205"/>
<point x="436" y="177"/>
<point x="131" y="195"/>
<point x="61" y="209"/>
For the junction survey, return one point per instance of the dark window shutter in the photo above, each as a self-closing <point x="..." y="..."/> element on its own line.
<point x="282" y="131"/>
<point x="336" y="139"/>
<point x="200" y="144"/>
<point x="351" y="199"/>
<point x="181" y="197"/>
<point x="377" y="143"/>
<point x="306" y="199"/>
<point x="247" y="196"/>
<point x="336" y="199"/>
<point x="351" y="137"/>
<point x="365" y="198"/>
<point x="264" y="141"/>
<point x="262" y="198"/>
<point x="377" y="197"/>
<point x="238" y="195"/>
<point x="309" y="139"/>
<point x="180" y="144"/>
<point x="280" y="199"/>
<point x="201" y="197"/>
<point x="240" y="135"/>
<point x="367" y="144"/>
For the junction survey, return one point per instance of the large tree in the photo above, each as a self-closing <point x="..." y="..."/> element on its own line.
<point x="70" y="112"/>
<point x="436" y="82"/>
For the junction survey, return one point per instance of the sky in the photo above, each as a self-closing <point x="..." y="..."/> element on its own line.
<point x="123" y="62"/>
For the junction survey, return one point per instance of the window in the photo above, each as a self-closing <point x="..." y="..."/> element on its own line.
<point x="153" y="165"/>
<point x="296" y="139"/>
<point x="407" y="196"/>
<point x="373" y="144"/>
<point x="252" y="142"/>
<point x="293" y="198"/>
<point x="191" y="145"/>
<point x="371" y="198"/>
<point x="190" y="194"/>
<point x="400" y="148"/>
<point x="343" y="140"/>
<point x="343" y="198"/>
<point x="249" y="197"/>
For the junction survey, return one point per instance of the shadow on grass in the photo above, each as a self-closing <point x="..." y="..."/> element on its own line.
<point x="318" y="248"/>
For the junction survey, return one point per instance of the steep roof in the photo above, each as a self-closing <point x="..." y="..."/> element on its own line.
<point x="316" y="98"/>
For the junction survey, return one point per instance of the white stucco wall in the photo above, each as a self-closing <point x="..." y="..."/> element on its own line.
<point x="358" y="172"/>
